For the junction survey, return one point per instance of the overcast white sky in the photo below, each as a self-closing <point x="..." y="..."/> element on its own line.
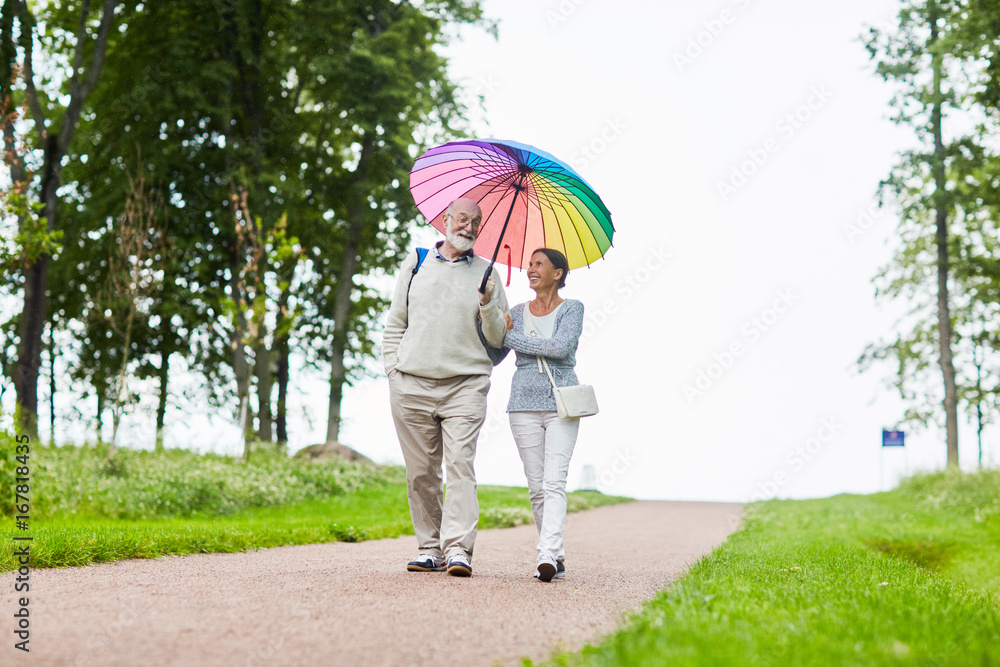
<point x="658" y="105"/>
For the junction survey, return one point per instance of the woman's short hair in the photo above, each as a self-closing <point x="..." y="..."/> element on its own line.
<point x="558" y="262"/>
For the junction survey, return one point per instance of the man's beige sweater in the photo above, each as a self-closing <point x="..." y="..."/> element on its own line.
<point x="436" y="336"/>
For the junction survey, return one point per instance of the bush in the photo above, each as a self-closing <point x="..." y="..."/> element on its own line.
<point x="505" y="517"/>
<point x="953" y="488"/>
<point x="177" y="483"/>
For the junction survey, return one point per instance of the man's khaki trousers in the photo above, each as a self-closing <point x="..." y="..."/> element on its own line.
<point x="438" y="419"/>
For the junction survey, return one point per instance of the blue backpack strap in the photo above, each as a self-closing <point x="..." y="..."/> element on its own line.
<point x="421" y="256"/>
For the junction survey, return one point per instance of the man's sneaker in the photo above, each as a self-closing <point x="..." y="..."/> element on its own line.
<point x="546" y="568"/>
<point x="458" y="566"/>
<point x="425" y="563"/>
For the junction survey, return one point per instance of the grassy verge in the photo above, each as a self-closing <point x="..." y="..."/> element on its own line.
<point x="89" y="506"/>
<point x="367" y="513"/>
<point x="136" y="484"/>
<point x="908" y="577"/>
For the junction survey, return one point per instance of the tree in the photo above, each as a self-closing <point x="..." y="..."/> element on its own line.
<point x="249" y="306"/>
<point x="978" y="37"/>
<point x="932" y="87"/>
<point x="369" y="104"/>
<point x="211" y="117"/>
<point x="316" y="108"/>
<point x="134" y="269"/>
<point x="72" y="29"/>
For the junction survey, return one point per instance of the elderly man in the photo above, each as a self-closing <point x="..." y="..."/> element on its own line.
<point x="439" y="375"/>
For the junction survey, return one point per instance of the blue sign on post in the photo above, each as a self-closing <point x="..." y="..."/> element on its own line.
<point x="893" y="438"/>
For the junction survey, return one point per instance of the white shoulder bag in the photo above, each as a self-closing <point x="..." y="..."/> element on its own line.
<point x="574" y="401"/>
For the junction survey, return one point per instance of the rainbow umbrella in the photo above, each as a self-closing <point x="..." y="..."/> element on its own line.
<point x="529" y="199"/>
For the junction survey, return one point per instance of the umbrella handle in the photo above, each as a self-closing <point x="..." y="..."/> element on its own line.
<point x="486" y="276"/>
<point x="489" y="270"/>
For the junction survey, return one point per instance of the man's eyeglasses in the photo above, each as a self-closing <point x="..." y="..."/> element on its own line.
<point x="464" y="220"/>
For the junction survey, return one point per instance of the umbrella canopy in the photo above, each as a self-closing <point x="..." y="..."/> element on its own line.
<point x="529" y="199"/>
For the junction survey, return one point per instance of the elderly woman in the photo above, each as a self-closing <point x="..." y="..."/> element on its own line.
<point x="547" y="327"/>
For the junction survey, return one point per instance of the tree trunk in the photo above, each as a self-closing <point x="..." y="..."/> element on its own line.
<point x="941" y="239"/>
<point x="52" y="384"/>
<point x="33" y="314"/>
<point x="241" y="369"/>
<point x="116" y="417"/>
<point x="281" y="419"/>
<point x="29" y="346"/>
<point x="265" y="386"/>
<point x="341" y="318"/>
<point x="281" y="343"/>
<point x="944" y="328"/>
<point x="100" y="412"/>
<point x="337" y="378"/>
<point x="161" y="407"/>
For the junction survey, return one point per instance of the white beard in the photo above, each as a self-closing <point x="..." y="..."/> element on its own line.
<point x="460" y="243"/>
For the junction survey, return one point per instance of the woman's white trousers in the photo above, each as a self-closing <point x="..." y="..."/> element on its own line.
<point x="545" y="443"/>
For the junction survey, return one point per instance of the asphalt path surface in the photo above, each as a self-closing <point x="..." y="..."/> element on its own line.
<point x="355" y="604"/>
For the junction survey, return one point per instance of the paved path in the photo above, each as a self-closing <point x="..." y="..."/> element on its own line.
<point x="354" y="604"/>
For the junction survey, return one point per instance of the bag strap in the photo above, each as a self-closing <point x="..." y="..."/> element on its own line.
<point x="541" y="360"/>
<point x="421" y="256"/>
<point x="530" y="320"/>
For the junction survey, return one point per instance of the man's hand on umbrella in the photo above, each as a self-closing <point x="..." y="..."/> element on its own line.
<point x="485" y="296"/>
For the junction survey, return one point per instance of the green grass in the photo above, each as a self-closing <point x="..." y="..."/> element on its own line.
<point x="908" y="577"/>
<point x="136" y="484"/>
<point x="368" y="513"/>
<point x="89" y="507"/>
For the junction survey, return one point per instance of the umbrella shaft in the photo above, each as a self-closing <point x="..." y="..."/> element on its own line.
<point x="489" y="269"/>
